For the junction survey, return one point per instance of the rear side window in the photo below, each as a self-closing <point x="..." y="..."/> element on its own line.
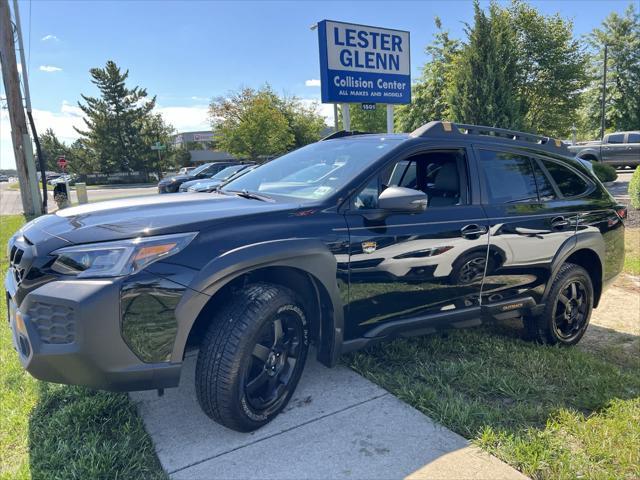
<point x="508" y="178"/>
<point x="569" y="183"/>
<point x="617" y="138"/>
<point x="633" y="138"/>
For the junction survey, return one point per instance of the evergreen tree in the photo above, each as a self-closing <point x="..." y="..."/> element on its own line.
<point x="115" y="121"/>
<point x="483" y="88"/>
<point x="622" y="104"/>
<point x="429" y="92"/>
<point x="52" y="149"/>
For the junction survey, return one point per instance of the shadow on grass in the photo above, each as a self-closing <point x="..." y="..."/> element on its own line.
<point x="527" y="403"/>
<point x="75" y="432"/>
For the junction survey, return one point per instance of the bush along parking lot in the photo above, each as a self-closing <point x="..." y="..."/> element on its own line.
<point x="605" y="173"/>
<point x="58" y="431"/>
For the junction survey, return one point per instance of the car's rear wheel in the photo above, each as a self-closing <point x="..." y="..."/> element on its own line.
<point x="568" y="308"/>
<point x="252" y="356"/>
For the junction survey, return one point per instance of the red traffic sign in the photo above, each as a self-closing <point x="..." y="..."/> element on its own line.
<point x="62" y="162"/>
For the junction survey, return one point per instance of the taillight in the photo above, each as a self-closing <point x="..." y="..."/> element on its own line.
<point x="621" y="211"/>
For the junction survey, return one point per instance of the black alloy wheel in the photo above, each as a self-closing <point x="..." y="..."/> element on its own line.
<point x="571" y="311"/>
<point x="273" y="363"/>
<point x="567" y="310"/>
<point x="252" y="356"/>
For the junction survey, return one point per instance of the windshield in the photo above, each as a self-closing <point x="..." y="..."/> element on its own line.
<point x="227" y="172"/>
<point x="316" y="171"/>
<point x="200" y="169"/>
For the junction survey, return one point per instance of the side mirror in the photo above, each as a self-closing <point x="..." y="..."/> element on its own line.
<point x="401" y="199"/>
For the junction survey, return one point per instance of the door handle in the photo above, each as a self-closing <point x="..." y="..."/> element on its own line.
<point x="559" y="222"/>
<point x="473" y="230"/>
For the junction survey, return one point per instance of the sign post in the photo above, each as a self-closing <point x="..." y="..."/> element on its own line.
<point x="159" y="147"/>
<point x="364" y="64"/>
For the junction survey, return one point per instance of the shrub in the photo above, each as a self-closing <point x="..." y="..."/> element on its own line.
<point x="634" y="189"/>
<point x="606" y="173"/>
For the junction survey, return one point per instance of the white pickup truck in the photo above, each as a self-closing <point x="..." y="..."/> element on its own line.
<point x="619" y="149"/>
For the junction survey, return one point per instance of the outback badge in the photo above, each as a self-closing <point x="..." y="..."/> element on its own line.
<point x="369" y="247"/>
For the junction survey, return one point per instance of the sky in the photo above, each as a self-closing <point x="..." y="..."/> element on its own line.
<point x="188" y="52"/>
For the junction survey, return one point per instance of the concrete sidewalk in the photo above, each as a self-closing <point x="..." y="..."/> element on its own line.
<point x="338" y="425"/>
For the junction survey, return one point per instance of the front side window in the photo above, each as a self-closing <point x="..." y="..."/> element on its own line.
<point x="569" y="183"/>
<point x="617" y="138"/>
<point x="316" y="171"/>
<point x="508" y="178"/>
<point x="440" y="174"/>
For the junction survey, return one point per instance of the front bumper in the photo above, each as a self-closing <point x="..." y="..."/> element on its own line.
<point x="70" y="333"/>
<point x="168" y="187"/>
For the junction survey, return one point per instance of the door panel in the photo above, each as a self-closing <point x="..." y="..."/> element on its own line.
<point x="405" y="266"/>
<point x="529" y="222"/>
<point x="523" y="244"/>
<point x="413" y="265"/>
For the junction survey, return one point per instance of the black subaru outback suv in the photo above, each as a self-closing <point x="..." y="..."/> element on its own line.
<point x="340" y="244"/>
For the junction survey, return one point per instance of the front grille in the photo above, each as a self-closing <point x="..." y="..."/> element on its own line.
<point x="55" y="323"/>
<point x="20" y="258"/>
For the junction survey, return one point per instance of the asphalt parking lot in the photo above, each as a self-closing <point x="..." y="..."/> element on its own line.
<point x="11" y="204"/>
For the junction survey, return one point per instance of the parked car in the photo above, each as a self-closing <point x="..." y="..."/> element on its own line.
<point x="4" y="178"/>
<point x="620" y="149"/>
<point x="211" y="185"/>
<point x="68" y="178"/>
<point x="446" y="227"/>
<point x="186" y="170"/>
<point x="218" y="179"/>
<point x="207" y="170"/>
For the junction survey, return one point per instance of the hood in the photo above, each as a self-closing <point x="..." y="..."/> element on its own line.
<point x="200" y="182"/>
<point x="149" y="215"/>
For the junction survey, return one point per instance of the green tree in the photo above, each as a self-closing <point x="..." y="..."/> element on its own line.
<point x="374" y="121"/>
<point x="304" y="121"/>
<point x="52" y="148"/>
<point x="155" y="130"/>
<point x="621" y="33"/>
<point x="551" y="70"/>
<point x="115" y="121"/>
<point x="250" y="123"/>
<point x="483" y="88"/>
<point x="428" y="94"/>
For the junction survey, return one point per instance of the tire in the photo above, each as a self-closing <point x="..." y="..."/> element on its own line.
<point x="252" y="356"/>
<point x="470" y="268"/>
<point x="567" y="312"/>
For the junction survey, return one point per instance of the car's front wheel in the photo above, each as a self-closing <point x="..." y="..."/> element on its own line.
<point x="252" y="356"/>
<point x="568" y="308"/>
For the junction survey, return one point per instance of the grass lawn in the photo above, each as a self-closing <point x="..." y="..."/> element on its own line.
<point x="57" y="431"/>
<point x="632" y="251"/>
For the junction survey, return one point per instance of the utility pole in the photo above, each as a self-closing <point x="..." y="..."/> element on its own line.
<point x="27" y="101"/>
<point x="19" y="133"/>
<point x="604" y="93"/>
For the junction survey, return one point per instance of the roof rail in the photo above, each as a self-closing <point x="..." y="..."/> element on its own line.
<point x="444" y="128"/>
<point x="344" y="133"/>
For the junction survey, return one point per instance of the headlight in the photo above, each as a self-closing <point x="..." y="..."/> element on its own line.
<point x="114" y="259"/>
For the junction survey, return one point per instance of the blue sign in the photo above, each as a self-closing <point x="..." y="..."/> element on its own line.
<point x="362" y="64"/>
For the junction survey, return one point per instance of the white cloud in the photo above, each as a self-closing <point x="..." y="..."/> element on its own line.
<point x="314" y="82"/>
<point x="200" y="99"/>
<point x="49" y="68"/>
<point x="186" y="119"/>
<point x="50" y="37"/>
<point x="324" y="109"/>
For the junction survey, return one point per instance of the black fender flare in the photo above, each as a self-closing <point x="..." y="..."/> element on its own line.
<point x="582" y="240"/>
<point x="310" y="256"/>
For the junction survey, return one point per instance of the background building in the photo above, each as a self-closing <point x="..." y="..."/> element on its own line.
<point x="201" y="146"/>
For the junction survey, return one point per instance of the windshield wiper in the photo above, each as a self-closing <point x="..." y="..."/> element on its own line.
<point x="251" y="195"/>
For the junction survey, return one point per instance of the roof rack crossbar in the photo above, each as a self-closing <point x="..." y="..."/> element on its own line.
<point x="438" y="128"/>
<point x="344" y="133"/>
